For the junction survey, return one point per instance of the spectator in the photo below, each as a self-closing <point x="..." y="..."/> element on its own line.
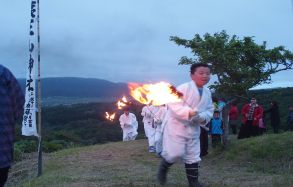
<point x="216" y="129"/>
<point x="233" y="117"/>
<point x="274" y="116"/>
<point x="12" y="100"/>
<point x="251" y="114"/>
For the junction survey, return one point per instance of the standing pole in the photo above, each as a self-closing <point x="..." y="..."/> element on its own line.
<point x="39" y="96"/>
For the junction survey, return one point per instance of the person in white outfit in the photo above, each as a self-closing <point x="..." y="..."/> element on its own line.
<point x="148" y="113"/>
<point x="182" y="125"/>
<point x="158" y="119"/>
<point x="147" y="120"/>
<point x="129" y="125"/>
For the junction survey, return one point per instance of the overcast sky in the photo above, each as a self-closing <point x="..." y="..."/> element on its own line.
<point x="128" y="40"/>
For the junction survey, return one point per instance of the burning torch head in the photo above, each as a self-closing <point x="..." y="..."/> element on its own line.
<point x="154" y="94"/>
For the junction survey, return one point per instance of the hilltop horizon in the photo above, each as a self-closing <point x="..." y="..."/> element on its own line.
<point x="259" y="87"/>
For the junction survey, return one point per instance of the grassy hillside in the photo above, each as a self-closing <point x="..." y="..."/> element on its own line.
<point x="78" y="124"/>
<point x="260" y="161"/>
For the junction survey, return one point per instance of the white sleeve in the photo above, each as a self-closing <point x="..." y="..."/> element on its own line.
<point x="180" y="109"/>
<point x="121" y="121"/>
<point x="207" y="114"/>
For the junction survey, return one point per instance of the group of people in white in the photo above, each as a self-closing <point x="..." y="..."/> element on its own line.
<point x="173" y="131"/>
<point x="153" y="117"/>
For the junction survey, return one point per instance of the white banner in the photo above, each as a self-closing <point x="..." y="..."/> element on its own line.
<point x="29" y="117"/>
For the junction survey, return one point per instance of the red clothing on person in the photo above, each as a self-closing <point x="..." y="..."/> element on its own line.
<point x="233" y="113"/>
<point x="257" y="114"/>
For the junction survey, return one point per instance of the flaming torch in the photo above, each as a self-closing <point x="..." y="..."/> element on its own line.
<point x="110" y="117"/>
<point x="121" y="103"/>
<point x="155" y="94"/>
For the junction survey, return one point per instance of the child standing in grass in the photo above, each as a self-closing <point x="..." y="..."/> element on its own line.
<point x="216" y="129"/>
<point x="182" y="125"/>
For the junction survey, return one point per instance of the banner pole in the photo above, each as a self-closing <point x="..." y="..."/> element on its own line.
<point x="40" y="158"/>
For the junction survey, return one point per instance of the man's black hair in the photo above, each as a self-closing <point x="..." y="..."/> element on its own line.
<point x="193" y="67"/>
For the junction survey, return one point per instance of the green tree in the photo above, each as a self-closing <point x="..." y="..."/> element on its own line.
<point x="239" y="64"/>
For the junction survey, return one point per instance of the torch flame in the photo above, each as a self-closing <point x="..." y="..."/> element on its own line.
<point x="122" y="102"/>
<point x="110" y="117"/>
<point x="155" y="94"/>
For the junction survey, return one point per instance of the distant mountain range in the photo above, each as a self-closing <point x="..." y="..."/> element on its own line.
<point x="80" y="88"/>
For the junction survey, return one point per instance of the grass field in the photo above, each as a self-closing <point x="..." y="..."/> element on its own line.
<point x="261" y="161"/>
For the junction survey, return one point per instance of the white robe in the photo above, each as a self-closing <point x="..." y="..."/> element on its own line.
<point x="147" y="119"/>
<point x="181" y="136"/>
<point x="148" y="113"/>
<point x="129" y="126"/>
<point x="158" y="119"/>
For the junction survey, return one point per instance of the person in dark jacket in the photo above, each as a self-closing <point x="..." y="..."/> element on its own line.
<point x="274" y="116"/>
<point x="11" y="102"/>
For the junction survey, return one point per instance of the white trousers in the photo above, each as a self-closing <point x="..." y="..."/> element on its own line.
<point x="176" y="148"/>
<point x="146" y="127"/>
<point x="127" y="135"/>
<point x="159" y="138"/>
<point x="151" y="136"/>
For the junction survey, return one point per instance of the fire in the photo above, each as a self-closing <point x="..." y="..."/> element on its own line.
<point x="123" y="102"/>
<point x="110" y="117"/>
<point x="155" y="94"/>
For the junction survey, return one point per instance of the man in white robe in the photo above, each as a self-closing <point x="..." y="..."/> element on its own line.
<point x="129" y="125"/>
<point x="147" y="119"/>
<point x="158" y="119"/>
<point x="148" y="113"/>
<point x="182" y="125"/>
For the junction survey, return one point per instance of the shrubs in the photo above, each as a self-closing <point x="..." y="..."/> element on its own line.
<point x="269" y="153"/>
<point x="30" y="146"/>
<point x="24" y="146"/>
<point x="54" y="145"/>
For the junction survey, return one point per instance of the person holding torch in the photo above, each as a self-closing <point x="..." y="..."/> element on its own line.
<point x="128" y="124"/>
<point x="182" y="125"/>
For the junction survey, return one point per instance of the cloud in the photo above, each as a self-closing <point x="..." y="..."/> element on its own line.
<point x="129" y="40"/>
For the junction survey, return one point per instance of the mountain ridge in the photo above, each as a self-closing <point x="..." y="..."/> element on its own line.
<point x="80" y="87"/>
